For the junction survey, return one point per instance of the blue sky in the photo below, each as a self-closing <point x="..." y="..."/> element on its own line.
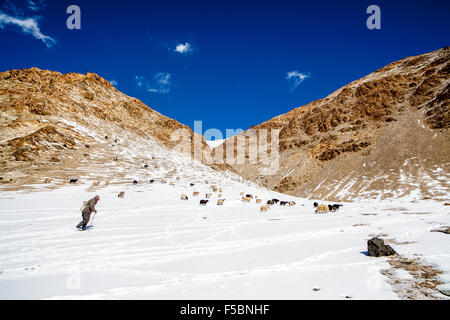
<point x="230" y="64"/>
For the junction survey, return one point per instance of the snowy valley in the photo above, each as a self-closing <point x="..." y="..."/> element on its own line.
<point x="379" y="146"/>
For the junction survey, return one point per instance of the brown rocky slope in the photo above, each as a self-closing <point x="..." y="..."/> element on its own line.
<point x="385" y="135"/>
<point x="66" y="125"/>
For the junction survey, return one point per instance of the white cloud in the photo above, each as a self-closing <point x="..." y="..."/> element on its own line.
<point x="36" y="5"/>
<point x="28" y="26"/>
<point x="8" y="6"/>
<point x="295" y="78"/>
<point x="183" y="48"/>
<point x="114" y="82"/>
<point x="159" y="84"/>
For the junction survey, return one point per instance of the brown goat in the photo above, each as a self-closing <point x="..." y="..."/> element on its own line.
<point x="322" y="208"/>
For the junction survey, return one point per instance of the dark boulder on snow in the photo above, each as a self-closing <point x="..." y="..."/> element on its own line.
<point x="377" y="248"/>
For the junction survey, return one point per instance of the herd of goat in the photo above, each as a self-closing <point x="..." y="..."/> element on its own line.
<point x="320" y="208"/>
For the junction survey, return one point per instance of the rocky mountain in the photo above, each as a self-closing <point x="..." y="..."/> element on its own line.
<point x="69" y="125"/>
<point x="385" y="135"/>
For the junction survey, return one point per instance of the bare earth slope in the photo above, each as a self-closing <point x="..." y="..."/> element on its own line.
<point x="385" y="135"/>
<point x="60" y="126"/>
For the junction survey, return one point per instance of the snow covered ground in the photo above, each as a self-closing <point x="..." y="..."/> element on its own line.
<point x="151" y="245"/>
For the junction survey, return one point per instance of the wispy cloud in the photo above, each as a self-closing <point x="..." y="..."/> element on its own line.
<point x="183" y="48"/>
<point x="295" y="78"/>
<point x="36" y="5"/>
<point x="28" y="26"/>
<point x="160" y="82"/>
<point x="8" y="6"/>
<point x="11" y="15"/>
<point x="114" y="82"/>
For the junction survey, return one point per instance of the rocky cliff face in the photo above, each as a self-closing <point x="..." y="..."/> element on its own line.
<point x="384" y="135"/>
<point x="59" y="125"/>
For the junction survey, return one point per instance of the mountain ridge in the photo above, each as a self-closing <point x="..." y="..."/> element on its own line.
<point x="51" y="123"/>
<point x="319" y="138"/>
<point x="384" y="135"/>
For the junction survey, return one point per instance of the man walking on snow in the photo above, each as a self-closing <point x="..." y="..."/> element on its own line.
<point x="86" y="212"/>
